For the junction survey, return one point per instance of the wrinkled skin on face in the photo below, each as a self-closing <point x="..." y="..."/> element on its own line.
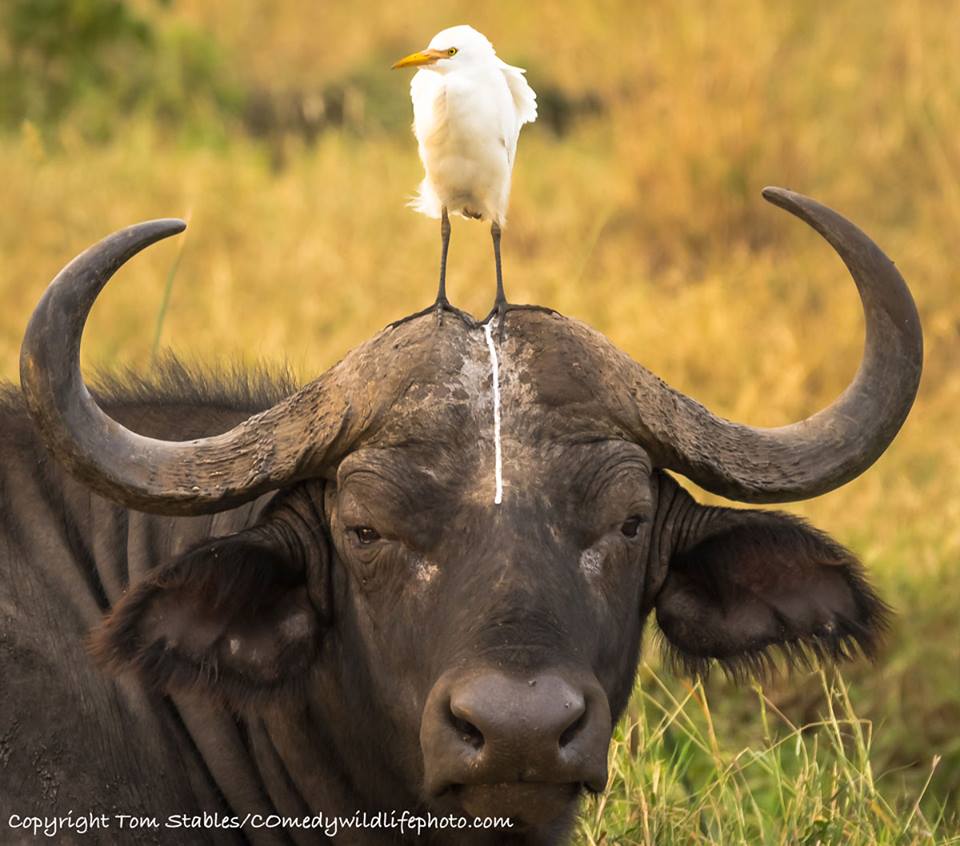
<point x="409" y="643"/>
<point x="552" y="571"/>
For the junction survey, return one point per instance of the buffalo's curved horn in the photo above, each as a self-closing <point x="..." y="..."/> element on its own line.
<point x="831" y="447"/>
<point x="286" y="442"/>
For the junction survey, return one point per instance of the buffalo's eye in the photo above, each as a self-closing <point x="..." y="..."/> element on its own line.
<point x="631" y="526"/>
<point x="365" y="534"/>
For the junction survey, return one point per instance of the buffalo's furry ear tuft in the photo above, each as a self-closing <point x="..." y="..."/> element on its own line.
<point x="230" y="618"/>
<point x="758" y="585"/>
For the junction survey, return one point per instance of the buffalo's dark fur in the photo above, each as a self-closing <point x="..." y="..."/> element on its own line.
<point x="169" y="383"/>
<point x="172" y="381"/>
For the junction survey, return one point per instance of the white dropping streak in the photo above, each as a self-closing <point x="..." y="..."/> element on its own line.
<point x="495" y="366"/>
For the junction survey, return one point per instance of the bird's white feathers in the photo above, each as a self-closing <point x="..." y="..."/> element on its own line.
<point x="467" y="113"/>
<point x="524" y="97"/>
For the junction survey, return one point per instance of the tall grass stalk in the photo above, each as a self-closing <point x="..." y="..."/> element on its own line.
<point x="168" y="293"/>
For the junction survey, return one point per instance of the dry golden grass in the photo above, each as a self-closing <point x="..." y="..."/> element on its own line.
<point x="645" y="221"/>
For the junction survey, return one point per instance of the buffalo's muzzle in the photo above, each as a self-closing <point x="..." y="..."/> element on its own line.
<point x="519" y="745"/>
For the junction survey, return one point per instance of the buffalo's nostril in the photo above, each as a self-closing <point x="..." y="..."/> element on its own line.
<point x="468" y="732"/>
<point x="572" y="730"/>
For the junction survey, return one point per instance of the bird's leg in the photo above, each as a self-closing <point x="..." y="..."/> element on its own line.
<point x="441" y="304"/>
<point x="500" y="304"/>
<point x="442" y="301"/>
<point x="495" y="233"/>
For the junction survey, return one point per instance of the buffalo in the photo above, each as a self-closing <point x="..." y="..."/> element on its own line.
<point x="407" y="587"/>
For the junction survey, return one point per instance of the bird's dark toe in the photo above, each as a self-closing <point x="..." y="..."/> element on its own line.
<point x="438" y="308"/>
<point x="501" y="309"/>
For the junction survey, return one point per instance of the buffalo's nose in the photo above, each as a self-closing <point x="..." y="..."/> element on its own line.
<point x="539" y="717"/>
<point x="489" y="728"/>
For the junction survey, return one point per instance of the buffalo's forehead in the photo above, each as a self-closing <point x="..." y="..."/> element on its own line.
<point x="438" y="382"/>
<point x="436" y="409"/>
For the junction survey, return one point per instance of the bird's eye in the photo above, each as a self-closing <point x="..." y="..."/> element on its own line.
<point x="365" y="535"/>
<point x="452" y="51"/>
<point x="631" y="526"/>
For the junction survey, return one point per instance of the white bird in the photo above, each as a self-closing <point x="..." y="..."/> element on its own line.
<point x="468" y="107"/>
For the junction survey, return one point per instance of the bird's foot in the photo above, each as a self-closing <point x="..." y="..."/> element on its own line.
<point x="501" y="308"/>
<point x="441" y="305"/>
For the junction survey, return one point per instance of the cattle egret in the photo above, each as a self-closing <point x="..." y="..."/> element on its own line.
<point x="468" y="107"/>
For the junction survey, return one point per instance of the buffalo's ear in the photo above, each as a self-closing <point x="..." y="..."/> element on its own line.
<point x="749" y="583"/>
<point x="232" y="617"/>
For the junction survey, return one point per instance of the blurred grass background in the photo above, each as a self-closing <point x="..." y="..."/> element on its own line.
<point x="278" y="128"/>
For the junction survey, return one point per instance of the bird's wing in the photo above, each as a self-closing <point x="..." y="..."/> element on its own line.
<point x="524" y="97"/>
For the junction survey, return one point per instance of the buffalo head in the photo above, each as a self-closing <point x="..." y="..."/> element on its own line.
<point x="493" y="639"/>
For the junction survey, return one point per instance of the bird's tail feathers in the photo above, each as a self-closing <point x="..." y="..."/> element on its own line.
<point x="426" y="201"/>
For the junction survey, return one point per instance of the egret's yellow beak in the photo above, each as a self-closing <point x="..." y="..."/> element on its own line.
<point x="424" y="57"/>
